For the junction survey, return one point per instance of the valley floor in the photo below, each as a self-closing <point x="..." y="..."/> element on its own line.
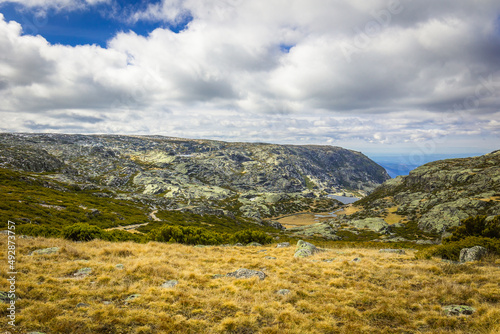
<point x="328" y="292"/>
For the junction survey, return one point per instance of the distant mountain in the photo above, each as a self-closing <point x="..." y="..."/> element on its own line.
<point x="401" y="164"/>
<point x="252" y="180"/>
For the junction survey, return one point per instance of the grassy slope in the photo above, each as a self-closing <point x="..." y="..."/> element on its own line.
<point x="384" y="293"/>
<point x="27" y="196"/>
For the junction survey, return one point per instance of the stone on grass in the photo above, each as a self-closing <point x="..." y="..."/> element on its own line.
<point x="84" y="272"/>
<point x="283" y="245"/>
<point x="5" y="298"/>
<point x="51" y="250"/>
<point x="457" y="310"/>
<point x="169" y="284"/>
<point x="132" y="297"/>
<point x="305" y="249"/>
<point x="270" y="258"/>
<point x="475" y="253"/>
<point x="120" y="266"/>
<point x="217" y="276"/>
<point x="247" y="273"/>
<point x="254" y="244"/>
<point x="356" y="260"/>
<point x="82" y="305"/>
<point x="283" y="292"/>
<point x="390" y="250"/>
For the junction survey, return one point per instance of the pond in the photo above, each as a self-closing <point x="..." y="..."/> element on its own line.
<point x="344" y="199"/>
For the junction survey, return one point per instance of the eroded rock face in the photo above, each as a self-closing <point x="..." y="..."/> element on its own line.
<point x="475" y="253"/>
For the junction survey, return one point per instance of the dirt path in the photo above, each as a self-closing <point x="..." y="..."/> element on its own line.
<point x="132" y="228"/>
<point x="153" y="216"/>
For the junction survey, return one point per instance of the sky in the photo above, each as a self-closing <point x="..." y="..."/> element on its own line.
<point x="397" y="77"/>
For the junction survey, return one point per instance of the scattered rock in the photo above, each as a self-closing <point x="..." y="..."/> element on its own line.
<point x="328" y="260"/>
<point x="276" y="225"/>
<point x="270" y="258"/>
<point x="283" y="245"/>
<point x="239" y="244"/>
<point x="246" y="273"/>
<point x="51" y="250"/>
<point x="283" y="292"/>
<point x="217" y="276"/>
<point x="84" y="272"/>
<point x="106" y="302"/>
<point x="305" y="249"/>
<point x="356" y="260"/>
<point x="169" y="284"/>
<point x="132" y="297"/>
<point x="120" y="266"/>
<point x="456" y="310"/>
<point x="256" y="244"/>
<point x="390" y="250"/>
<point x="82" y="305"/>
<point x="475" y="253"/>
<point x="4" y="297"/>
<point x="425" y="242"/>
<point x="374" y="224"/>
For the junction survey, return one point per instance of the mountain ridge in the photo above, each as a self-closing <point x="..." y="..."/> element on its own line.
<point x="252" y="179"/>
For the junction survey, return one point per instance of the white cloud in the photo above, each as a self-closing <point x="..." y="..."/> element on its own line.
<point x="425" y="70"/>
<point x="67" y="5"/>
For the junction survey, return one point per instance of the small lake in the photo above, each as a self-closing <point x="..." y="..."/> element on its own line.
<point x="344" y="199"/>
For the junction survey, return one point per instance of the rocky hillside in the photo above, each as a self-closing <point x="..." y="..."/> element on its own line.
<point x="253" y="180"/>
<point x="439" y="194"/>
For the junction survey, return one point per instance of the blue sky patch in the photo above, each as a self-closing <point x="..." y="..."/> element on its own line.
<point x="92" y="25"/>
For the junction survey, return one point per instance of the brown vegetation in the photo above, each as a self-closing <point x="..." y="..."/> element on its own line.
<point x="383" y="293"/>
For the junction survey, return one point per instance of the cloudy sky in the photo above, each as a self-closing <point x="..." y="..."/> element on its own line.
<point x="372" y="75"/>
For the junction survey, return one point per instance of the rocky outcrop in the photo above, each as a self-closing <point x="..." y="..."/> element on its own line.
<point x="253" y="180"/>
<point x="440" y="194"/>
<point x="305" y="249"/>
<point x="475" y="253"/>
<point x="374" y="224"/>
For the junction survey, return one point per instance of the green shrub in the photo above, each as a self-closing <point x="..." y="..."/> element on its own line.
<point x="186" y="235"/>
<point x="38" y="231"/>
<point x="248" y="236"/>
<point x="119" y="235"/>
<point x="451" y="250"/>
<point x="199" y="236"/>
<point x="82" y="232"/>
<point x="476" y="226"/>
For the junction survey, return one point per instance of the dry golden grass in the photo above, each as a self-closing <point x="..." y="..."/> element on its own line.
<point x="384" y="293"/>
<point x="392" y="217"/>
<point x="349" y="210"/>
<point x="304" y="219"/>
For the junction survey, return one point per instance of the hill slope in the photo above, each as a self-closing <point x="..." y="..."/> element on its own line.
<point x="235" y="180"/>
<point x="440" y="194"/>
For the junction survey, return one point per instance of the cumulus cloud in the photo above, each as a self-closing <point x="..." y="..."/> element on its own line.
<point x="288" y="71"/>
